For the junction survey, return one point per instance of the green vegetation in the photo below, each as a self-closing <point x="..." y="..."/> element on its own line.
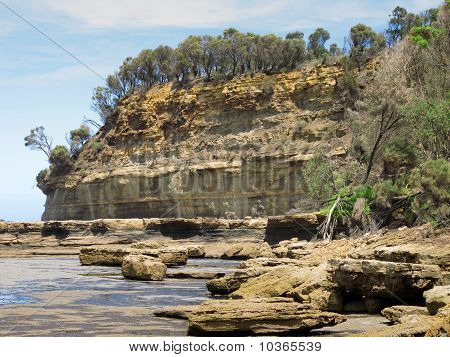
<point x="60" y="159"/>
<point x="77" y="138"/>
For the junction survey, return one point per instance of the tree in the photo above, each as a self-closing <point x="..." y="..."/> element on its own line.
<point x="38" y="140"/>
<point x="396" y="28"/>
<point x="77" y="138"/>
<point x="165" y="61"/>
<point x="104" y="103"/>
<point x="335" y="50"/>
<point x="145" y="67"/>
<point x="316" y="42"/>
<point x="297" y="35"/>
<point x="60" y="160"/>
<point x="364" y="43"/>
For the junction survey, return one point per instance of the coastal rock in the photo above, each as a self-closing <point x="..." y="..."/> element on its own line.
<point x="385" y="280"/>
<point x="396" y="313"/>
<point x="143" y="268"/>
<point x="437" y="298"/>
<point x="173" y="256"/>
<point x="243" y="251"/>
<point x="148" y="244"/>
<point x="232" y="281"/>
<point x="196" y="251"/>
<point x="276" y="316"/>
<point x="414" y="326"/>
<point x="108" y="255"/>
<point x="415" y="253"/>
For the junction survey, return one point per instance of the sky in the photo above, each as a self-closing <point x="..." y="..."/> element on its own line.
<point x="41" y="85"/>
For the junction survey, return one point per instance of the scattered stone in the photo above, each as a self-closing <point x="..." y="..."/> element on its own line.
<point x="384" y="280"/>
<point x="396" y="313"/>
<point x="276" y="316"/>
<point x="437" y="298"/>
<point x="143" y="268"/>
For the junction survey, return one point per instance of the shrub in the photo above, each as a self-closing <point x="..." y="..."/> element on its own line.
<point x="318" y="176"/>
<point x="400" y="156"/>
<point x="42" y="175"/>
<point x="435" y="180"/>
<point x="97" y="145"/>
<point x="384" y="193"/>
<point x="347" y="199"/>
<point x="60" y="159"/>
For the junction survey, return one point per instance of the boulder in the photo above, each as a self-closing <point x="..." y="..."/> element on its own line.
<point x="268" y="262"/>
<point x="305" y="285"/>
<point x="109" y="256"/>
<point x="395" y="314"/>
<point x="143" y="268"/>
<point x="384" y="280"/>
<point x="276" y="316"/>
<point x="232" y="281"/>
<point x="173" y="256"/>
<point x="242" y="251"/>
<point x="196" y="251"/>
<point x="437" y="298"/>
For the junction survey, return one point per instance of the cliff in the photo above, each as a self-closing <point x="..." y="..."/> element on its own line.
<point x="227" y="149"/>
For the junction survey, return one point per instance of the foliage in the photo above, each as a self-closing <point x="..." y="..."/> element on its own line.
<point x="38" y="140"/>
<point x="347" y="199"/>
<point x="60" y="159"/>
<point x="385" y="191"/>
<point x="399" y="156"/>
<point x="364" y="43"/>
<point x="319" y="179"/>
<point x="316" y="42"/>
<point x="42" y="175"/>
<point x="423" y="34"/>
<point x="429" y="119"/>
<point x="77" y="138"/>
<point x="97" y="145"/>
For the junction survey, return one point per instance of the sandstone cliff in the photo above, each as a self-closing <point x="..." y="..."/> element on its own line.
<point x="222" y="149"/>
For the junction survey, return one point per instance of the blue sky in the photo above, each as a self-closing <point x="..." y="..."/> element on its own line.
<point x="41" y="85"/>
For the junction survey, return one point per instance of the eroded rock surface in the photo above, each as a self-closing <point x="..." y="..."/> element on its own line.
<point x="437" y="298"/>
<point x="143" y="268"/>
<point x="395" y="314"/>
<point x="276" y="316"/>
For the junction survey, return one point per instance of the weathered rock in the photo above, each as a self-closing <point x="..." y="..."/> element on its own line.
<point x="113" y="255"/>
<point x="396" y="313"/>
<point x="305" y="285"/>
<point x="110" y="256"/>
<point x="414" y="253"/>
<point x="414" y="326"/>
<point x="437" y="298"/>
<point x="268" y="263"/>
<point x="385" y="280"/>
<point x="232" y="281"/>
<point x="196" y="251"/>
<point x="148" y="244"/>
<point x="258" y="316"/>
<point x="276" y="282"/>
<point x="173" y="256"/>
<point x="175" y="312"/>
<point x="248" y="251"/>
<point x="143" y="268"/>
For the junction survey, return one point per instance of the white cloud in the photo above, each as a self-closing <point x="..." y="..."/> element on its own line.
<point x="60" y="75"/>
<point x="141" y="13"/>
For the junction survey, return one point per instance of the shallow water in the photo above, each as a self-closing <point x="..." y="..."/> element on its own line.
<point x="57" y="296"/>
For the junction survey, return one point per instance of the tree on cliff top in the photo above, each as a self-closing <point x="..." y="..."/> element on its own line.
<point x="39" y="140"/>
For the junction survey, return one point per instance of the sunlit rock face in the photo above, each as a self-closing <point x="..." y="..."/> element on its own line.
<point x="227" y="149"/>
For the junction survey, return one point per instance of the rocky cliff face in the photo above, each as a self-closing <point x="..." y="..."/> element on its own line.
<point x="222" y="149"/>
